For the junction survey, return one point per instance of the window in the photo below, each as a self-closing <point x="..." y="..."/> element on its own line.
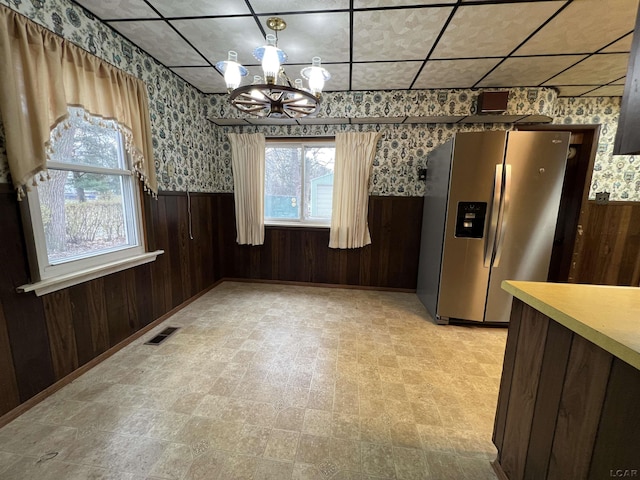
<point x="87" y="216"/>
<point x="299" y="182"/>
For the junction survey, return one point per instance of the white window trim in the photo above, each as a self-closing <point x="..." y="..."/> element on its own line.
<point x="281" y="223"/>
<point x="302" y="223"/>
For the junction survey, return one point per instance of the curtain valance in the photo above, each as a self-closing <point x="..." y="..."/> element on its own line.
<point x="42" y="74"/>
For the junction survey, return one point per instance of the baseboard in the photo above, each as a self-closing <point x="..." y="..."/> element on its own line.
<point x="50" y="390"/>
<point x="321" y="285"/>
<point x="497" y="468"/>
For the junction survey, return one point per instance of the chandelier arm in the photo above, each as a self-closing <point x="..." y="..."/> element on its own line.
<point x="303" y="110"/>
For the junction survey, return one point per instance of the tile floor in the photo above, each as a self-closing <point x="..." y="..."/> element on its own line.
<point x="275" y="382"/>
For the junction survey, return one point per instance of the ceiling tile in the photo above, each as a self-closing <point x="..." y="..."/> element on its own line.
<point x="454" y="73"/>
<point x="573" y="90"/>
<point x="384" y="76"/>
<point x="160" y="41"/>
<point x="396" y="3"/>
<point x="568" y="32"/>
<point x="595" y="70"/>
<point x="528" y="71"/>
<point x="622" y="45"/>
<point x="315" y="34"/>
<point x="492" y="30"/>
<point x="269" y="6"/>
<point x="206" y="79"/>
<point x="196" y="8"/>
<point x="214" y="37"/>
<point x="607" y="91"/>
<point x="116" y="9"/>
<point x="405" y="34"/>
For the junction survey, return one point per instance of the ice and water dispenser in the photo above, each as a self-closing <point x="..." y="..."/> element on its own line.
<point x="470" y="219"/>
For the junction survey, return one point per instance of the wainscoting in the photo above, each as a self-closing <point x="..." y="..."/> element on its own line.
<point x="43" y="339"/>
<point x="607" y="252"/>
<point x="302" y="254"/>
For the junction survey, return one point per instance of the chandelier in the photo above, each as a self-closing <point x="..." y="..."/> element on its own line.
<point x="275" y="96"/>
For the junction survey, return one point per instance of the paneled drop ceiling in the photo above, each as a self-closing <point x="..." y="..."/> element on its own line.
<point x="581" y="47"/>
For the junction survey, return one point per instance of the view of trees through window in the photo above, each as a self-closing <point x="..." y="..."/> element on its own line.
<point x="299" y="181"/>
<point x="83" y="204"/>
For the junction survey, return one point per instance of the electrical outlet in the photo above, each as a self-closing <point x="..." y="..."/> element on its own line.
<point x="602" y="198"/>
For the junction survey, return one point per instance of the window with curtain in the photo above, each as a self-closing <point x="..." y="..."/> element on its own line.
<point x="299" y="182"/>
<point x="78" y="134"/>
<point x="88" y="211"/>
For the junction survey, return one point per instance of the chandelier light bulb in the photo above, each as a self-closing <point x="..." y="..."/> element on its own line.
<point x="316" y="76"/>
<point x="271" y="60"/>
<point x="256" y="93"/>
<point x="232" y="71"/>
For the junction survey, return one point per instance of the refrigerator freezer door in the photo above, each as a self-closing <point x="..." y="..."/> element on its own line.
<point x="536" y="161"/>
<point x="433" y="221"/>
<point x="464" y="278"/>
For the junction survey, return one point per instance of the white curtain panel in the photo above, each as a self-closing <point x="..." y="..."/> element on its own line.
<point x="354" y="157"/>
<point x="247" y="162"/>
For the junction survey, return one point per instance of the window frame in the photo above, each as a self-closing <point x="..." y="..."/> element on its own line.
<point x="303" y="143"/>
<point x="47" y="277"/>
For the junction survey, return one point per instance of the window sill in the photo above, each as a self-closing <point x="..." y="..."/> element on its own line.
<point x="64" y="281"/>
<point x="297" y="224"/>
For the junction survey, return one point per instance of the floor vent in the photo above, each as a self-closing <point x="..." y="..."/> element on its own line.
<point x="162" y="336"/>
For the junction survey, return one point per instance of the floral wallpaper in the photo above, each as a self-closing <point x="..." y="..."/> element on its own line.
<point x="192" y="153"/>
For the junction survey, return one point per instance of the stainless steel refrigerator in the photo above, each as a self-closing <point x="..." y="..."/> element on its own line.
<point x="489" y="215"/>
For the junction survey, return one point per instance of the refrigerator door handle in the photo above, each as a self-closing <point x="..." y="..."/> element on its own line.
<point x="493" y="220"/>
<point x="504" y="217"/>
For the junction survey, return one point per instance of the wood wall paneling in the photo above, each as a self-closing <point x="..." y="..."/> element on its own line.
<point x="89" y="313"/>
<point x="506" y="378"/>
<point x="585" y="385"/>
<point x="607" y="251"/>
<point x="60" y="327"/>
<point x="619" y="426"/>
<point x="9" y="395"/>
<point x="24" y="313"/>
<point x="552" y="374"/>
<point x="531" y="341"/>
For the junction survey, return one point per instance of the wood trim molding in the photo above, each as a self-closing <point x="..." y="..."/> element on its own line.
<point x="33" y="401"/>
<point x="497" y="468"/>
<point x="320" y="285"/>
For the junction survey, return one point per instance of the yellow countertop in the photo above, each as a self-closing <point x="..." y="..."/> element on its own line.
<point x="604" y="315"/>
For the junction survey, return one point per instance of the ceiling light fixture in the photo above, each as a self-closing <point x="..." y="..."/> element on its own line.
<point x="276" y="96"/>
